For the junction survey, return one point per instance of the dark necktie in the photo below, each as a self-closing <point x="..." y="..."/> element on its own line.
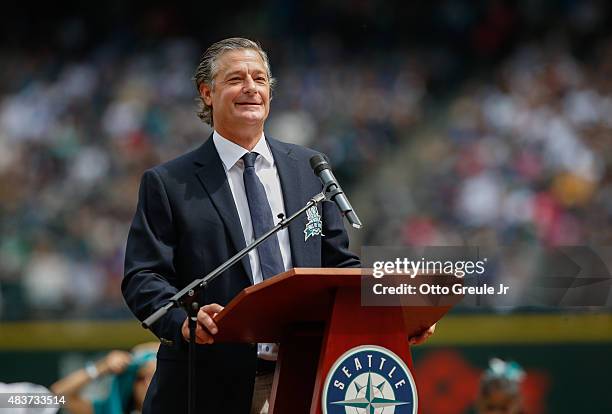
<point x="270" y="259"/>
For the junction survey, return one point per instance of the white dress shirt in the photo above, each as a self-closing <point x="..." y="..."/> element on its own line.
<point x="265" y="168"/>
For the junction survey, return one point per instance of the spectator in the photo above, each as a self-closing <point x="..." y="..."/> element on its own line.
<point x="500" y="391"/>
<point x="131" y="375"/>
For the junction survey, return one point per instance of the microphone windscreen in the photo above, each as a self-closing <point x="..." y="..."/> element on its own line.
<point x="318" y="163"/>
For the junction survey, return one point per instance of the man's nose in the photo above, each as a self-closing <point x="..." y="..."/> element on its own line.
<point x="249" y="85"/>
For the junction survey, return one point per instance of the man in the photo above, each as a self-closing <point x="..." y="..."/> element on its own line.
<point x="196" y="211"/>
<point x="129" y="374"/>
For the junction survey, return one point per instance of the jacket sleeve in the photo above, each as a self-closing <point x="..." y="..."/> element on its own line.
<point x="150" y="277"/>
<point x="335" y="242"/>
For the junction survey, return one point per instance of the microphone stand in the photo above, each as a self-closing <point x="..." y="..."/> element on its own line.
<point x="186" y="298"/>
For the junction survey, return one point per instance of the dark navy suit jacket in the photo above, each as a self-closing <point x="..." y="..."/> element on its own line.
<point x="186" y="224"/>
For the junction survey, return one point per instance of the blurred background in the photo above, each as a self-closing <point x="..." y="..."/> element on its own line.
<point x="447" y="123"/>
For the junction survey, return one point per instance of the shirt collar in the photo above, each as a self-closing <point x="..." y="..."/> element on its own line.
<point x="230" y="152"/>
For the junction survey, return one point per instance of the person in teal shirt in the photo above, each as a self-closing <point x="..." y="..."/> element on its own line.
<point x="131" y="374"/>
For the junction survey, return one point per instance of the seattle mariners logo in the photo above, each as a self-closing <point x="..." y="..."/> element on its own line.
<point x="369" y="379"/>
<point x="314" y="226"/>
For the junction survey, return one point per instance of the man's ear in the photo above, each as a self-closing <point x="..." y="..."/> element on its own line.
<point x="206" y="94"/>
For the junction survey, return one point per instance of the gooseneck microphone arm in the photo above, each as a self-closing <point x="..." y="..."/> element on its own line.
<point x="185" y="296"/>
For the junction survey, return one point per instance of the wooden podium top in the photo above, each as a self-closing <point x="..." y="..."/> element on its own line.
<point x="262" y="312"/>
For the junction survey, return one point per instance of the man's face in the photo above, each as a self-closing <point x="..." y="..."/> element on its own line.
<point x="241" y="92"/>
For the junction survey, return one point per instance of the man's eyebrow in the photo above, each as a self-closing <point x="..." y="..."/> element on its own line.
<point x="232" y="73"/>
<point x="241" y="71"/>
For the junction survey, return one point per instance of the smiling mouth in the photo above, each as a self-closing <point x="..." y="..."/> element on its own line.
<point x="247" y="104"/>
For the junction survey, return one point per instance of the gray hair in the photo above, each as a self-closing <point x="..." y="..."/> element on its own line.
<point x="207" y="69"/>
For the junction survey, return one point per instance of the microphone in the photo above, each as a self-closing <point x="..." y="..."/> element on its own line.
<point x="320" y="165"/>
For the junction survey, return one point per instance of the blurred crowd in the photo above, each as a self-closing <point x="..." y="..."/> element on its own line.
<point x="486" y="137"/>
<point x="519" y="155"/>
<point x="76" y="136"/>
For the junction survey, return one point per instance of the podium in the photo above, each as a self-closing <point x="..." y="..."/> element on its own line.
<point x="316" y="316"/>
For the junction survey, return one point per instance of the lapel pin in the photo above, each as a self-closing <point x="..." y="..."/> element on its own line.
<point x="314" y="226"/>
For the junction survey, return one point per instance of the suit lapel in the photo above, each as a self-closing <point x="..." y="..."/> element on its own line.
<point x="293" y="195"/>
<point x="212" y="176"/>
